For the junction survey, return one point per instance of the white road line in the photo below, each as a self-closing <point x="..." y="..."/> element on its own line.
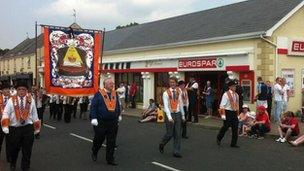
<point x="49" y="126"/>
<point x="83" y="138"/>
<point x="164" y="166"/>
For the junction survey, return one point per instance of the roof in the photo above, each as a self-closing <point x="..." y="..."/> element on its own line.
<point x="25" y="47"/>
<point x="252" y="17"/>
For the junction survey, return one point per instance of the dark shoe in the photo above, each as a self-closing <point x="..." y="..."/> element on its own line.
<point x="185" y="137"/>
<point x="113" y="163"/>
<point x="235" y="146"/>
<point x="161" y="148"/>
<point x="218" y="142"/>
<point x="177" y="155"/>
<point x="94" y="157"/>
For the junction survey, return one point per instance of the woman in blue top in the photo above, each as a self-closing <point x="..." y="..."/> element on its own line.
<point x="209" y="96"/>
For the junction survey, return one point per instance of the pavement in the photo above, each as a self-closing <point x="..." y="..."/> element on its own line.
<point x="67" y="147"/>
<point x="214" y="122"/>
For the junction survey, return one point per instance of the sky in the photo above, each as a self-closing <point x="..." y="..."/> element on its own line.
<point x="17" y="21"/>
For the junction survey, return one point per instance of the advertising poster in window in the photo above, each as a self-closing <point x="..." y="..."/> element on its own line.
<point x="289" y="75"/>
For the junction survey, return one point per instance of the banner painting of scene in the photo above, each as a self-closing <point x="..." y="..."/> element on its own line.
<point x="71" y="58"/>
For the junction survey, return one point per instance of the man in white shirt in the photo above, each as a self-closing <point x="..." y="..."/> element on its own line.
<point x="182" y="86"/>
<point x="286" y="89"/>
<point x="278" y="99"/>
<point x="4" y="97"/>
<point x="229" y="109"/>
<point x="20" y="121"/>
<point x="192" y="88"/>
<point x="175" y="115"/>
<point x="121" y="91"/>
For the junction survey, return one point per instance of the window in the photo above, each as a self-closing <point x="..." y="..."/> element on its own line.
<point x="22" y="62"/>
<point x="29" y="63"/>
<point x="15" y="66"/>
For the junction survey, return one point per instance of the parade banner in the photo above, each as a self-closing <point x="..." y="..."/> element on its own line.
<point x="71" y="60"/>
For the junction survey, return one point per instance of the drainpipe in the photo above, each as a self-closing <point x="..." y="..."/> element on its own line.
<point x="276" y="53"/>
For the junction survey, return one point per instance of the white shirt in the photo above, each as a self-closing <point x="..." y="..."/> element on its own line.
<point x="194" y="86"/>
<point x="64" y="100"/>
<point x="286" y="88"/>
<point x="186" y="101"/>
<point x="167" y="107"/>
<point x="121" y="91"/>
<point x="225" y="103"/>
<point x="9" y="112"/>
<point x="278" y="92"/>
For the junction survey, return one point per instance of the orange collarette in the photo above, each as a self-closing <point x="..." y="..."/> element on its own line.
<point x="110" y="102"/>
<point x="25" y="113"/>
<point x="173" y="101"/>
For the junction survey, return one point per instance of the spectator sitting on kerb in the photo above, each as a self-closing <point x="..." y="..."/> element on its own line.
<point x="246" y="121"/>
<point x="150" y="114"/>
<point x="288" y="127"/>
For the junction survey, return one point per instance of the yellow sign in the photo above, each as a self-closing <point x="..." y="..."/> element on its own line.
<point x="72" y="58"/>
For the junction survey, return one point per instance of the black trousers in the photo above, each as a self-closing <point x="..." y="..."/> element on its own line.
<point x="59" y="111"/>
<point x="269" y="107"/>
<point x="2" y="137"/>
<point x="40" y="113"/>
<point x="259" y="130"/>
<point x="184" y="124"/>
<point x="68" y="113"/>
<point x="231" y="121"/>
<point x="105" y="130"/>
<point x="21" y="138"/>
<point x="192" y="109"/>
<point x="52" y="110"/>
<point x="133" y="104"/>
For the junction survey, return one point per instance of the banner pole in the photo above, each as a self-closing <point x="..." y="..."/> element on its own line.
<point x="36" y="55"/>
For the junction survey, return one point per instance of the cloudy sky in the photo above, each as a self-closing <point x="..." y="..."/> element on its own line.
<point x="18" y="16"/>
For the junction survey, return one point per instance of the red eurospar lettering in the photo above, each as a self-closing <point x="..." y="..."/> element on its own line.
<point x="297" y="46"/>
<point x="197" y="63"/>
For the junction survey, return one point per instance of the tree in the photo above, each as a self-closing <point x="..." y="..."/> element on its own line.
<point x="3" y="51"/>
<point x="128" y="25"/>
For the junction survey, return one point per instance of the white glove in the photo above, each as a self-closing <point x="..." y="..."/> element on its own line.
<point x="223" y="117"/>
<point x="119" y="118"/>
<point x="94" y="122"/>
<point x="36" y="132"/>
<point x="5" y="130"/>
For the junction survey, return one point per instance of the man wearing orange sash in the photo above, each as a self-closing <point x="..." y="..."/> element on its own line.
<point x="175" y="115"/>
<point x="229" y="112"/>
<point x="20" y="121"/>
<point x="4" y="97"/>
<point x="104" y="115"/>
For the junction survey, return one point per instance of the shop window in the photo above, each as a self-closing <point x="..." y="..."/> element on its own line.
<point x="246" y="85"/>
<point x="161" y="84"/>
<point x="128" y="65"/>
<point x="106" y="66"/>
<point x="117" y="66"/>
<point x="29" y="63"/>
<point x="111" y="66"/>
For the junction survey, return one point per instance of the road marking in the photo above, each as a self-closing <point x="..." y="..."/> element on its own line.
<point x="49" y="126"/>
<point x="84" y="138"/>
<point x="81" y="137"/>
<point x="164" y="166"/>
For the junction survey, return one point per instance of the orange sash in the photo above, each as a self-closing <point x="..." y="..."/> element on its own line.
<point x="2" y="105"/>
<point x="173" y="101"/>
<point x="110" y="103"/>
<point x="234" y="103"/>
<point x="25" y="113"/>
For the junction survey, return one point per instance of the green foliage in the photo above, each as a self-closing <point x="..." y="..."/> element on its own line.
<point x="128" y="25"/>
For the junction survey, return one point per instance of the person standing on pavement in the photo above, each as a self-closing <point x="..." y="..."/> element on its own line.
<point x="192" y="88"/>
<point x="121" y="91"/>
<point x="182" y="86"/>
<point x="278" y="99"/>
<point x="20" y="121"/>
<point x="4" y="97"/>
<point x="175" y="115"/>
<point x="229" y="109"/>
<point x="105" y="113"/>
<point x="261" y="93"/>
<point x="209" y="97"/>
<point x="269" y="98"/>
<point x="84" y="102"/>
<point x="52" y="105"/>
<point x="286" y="89"/>
<point x="132" y="94"/>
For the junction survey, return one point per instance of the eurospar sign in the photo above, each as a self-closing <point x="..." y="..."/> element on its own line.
<point x="201" y="64"/>
<point x="296" y="47"/>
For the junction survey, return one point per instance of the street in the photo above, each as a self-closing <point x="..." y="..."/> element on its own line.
<point x="67" y="147"/>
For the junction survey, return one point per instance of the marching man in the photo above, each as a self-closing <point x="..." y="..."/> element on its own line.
<point x="174" y="109"/>
<point x="4" y="97"/>
<point x="229" y="112"/>
<point x="105" y="114"/>
<point x="20" y="121"/>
